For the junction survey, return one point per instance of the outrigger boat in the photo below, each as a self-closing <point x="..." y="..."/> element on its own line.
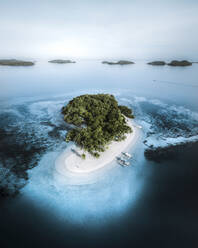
<point x="126" y="154"/>
<point x="122" y="162"/>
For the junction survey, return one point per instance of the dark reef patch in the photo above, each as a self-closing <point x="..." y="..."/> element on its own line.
<point x="169" y="121"/>
<point x="24" y="138"/>
<point x="159" y="154"/>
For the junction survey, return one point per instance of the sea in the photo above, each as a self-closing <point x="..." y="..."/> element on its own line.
<point x="149" y="204"/>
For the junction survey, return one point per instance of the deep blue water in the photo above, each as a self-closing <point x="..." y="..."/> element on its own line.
<point x="151" y="204"/>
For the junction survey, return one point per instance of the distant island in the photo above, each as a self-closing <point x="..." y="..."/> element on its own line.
<point x="120" y="62"/>
<point x="180" y="63"/>
<point x="157" y="63"/>
<point x="172" y="63"/>
<point x="97" y="120"/>
<point x="14" y="62"/>
<point x="61" y="61"/>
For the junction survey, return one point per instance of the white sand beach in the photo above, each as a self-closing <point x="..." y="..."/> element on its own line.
<point x="69" y="163"/>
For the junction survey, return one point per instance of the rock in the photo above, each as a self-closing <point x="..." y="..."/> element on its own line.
<point x="157" y="63"/>
<point x="120" y="62"/>
<point x="61" y="61"/>
<point x="179" y="63"/>
<point x="14" y="62"/>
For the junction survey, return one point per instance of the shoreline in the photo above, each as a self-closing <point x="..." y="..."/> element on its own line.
<point x="69" y="163"/>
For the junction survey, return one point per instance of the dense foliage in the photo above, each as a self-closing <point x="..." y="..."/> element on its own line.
<point x="97" y="120"/>
<point x="126" y="111"/>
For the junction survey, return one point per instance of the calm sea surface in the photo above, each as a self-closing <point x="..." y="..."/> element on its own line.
<point x="147" y="205"/>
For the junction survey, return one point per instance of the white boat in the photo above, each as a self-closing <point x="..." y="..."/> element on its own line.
<point x="126" y="154"/>
<point x="122" y="162"/>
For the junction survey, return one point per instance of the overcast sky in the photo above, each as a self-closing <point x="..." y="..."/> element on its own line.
<point x="137" y="29"/>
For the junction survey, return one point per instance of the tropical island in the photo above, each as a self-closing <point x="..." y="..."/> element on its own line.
<point x="179" y="63"/>
<point x="98" y="120"/>
<point x="120" y="62"/>
<point x="100" y="130"/>
<point x="15" y="62"/>
<point x="157" y="63"/>
<point x="61" y="61"/>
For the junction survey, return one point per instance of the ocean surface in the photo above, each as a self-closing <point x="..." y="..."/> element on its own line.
<point x="146" y="205"/>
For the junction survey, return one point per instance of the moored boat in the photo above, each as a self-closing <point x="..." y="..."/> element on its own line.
<point x="126" y="154"/>
<point x="122" y="162"/>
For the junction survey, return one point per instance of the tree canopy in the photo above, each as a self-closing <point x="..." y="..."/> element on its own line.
<point x="97" y="120"/>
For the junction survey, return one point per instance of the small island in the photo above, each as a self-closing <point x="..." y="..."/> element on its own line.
<point x="120" y="62"/>
<point x="97" y="120"/>
<point x="15" y="62"/>
<point x="157" y="63"/>
<point x="100" y="131"/>
<point x="180" y="63"/>
<point x="62" y="61"/>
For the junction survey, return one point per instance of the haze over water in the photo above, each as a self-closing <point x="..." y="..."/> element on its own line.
<point x="135" y="29"/>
